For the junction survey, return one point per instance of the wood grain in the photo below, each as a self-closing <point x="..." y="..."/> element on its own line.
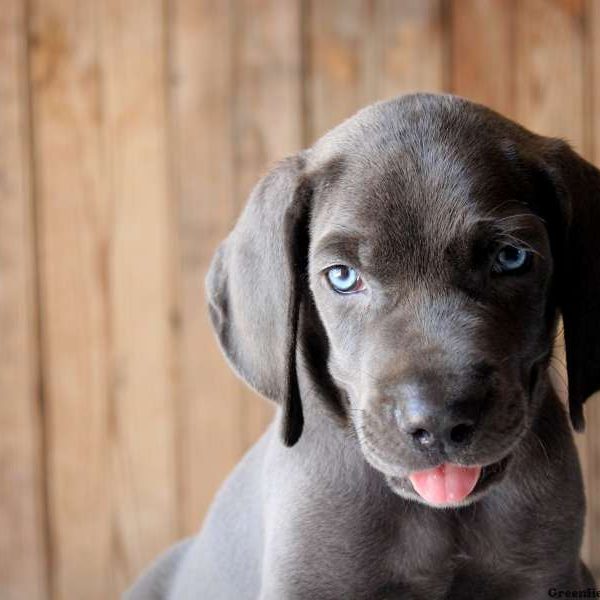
<point x="22" y="516"/>
<point x="483" y="52"/>
<point x="360" y="52"/>
<point x="141" y="285"/>
<point x="413" y="52"/>
<point x="105" y="266"/>
<point x="336" y="50"/>
<point x="72" y="229"/>
<point x="549" y="68"/>
<point x="210" y="422"/>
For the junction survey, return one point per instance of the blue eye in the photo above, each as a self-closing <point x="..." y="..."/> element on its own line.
<point x="344" y="279"/>
<point x="511" y="259"/>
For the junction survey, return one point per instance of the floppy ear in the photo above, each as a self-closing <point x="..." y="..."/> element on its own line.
<point x="254" y="289"/>
<point x="577" y="186"/>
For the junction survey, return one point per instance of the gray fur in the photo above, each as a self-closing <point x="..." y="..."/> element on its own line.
<point x="416" y="193"/>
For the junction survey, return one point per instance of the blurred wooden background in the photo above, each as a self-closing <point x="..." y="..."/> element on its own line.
<point x="130" y="134"/>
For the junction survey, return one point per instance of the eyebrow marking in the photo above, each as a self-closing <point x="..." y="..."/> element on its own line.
<point x="508" y="228"/>
<point x="498" y="216"/>
<point x="344" y="246"/>
<point x="506" y="222"/>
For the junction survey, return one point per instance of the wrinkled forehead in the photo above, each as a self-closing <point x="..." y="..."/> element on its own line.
<point x="418" y="197"/>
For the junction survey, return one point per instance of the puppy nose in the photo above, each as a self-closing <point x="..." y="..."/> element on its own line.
<point x="455" y="435"/>
<point x="429" y="422"/>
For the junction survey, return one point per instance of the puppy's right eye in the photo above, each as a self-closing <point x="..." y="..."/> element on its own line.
<point x="344" y="279"/>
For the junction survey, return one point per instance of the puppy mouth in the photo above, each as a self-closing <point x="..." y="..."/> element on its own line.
<point x="445" y="484"/>
<point x="450" y="484"/>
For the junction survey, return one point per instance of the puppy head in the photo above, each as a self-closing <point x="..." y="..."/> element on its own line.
<point x="425" y="247"/>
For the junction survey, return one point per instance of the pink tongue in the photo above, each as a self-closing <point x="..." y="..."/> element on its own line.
<point x="445" y="484"/>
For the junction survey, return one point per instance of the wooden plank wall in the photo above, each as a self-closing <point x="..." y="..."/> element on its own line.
<point x="130" y="135"/>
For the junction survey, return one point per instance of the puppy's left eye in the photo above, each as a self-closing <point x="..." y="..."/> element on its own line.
<point x="344" y="279"/>
<point x="511" y="259"/>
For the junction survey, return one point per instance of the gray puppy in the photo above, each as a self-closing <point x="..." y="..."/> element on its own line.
<point x="395" y="289"/>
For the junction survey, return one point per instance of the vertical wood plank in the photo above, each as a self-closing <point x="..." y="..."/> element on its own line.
<point x="483" y="52"/>
<point x="141" y="278"/>
<point x="72" y="227"/>
<point x="268" y="116"/>
<point x="105" y="224"/>
<point x="361" y="52"/>
<point x="593" y="407"/>
<point x="549" y="68"/>
<point x="22" y="522"/>
<point x="550" y="99"/>
<point x="202" y="88"/>
<point x="411" y="38"/>
<point x="336" y="57"/>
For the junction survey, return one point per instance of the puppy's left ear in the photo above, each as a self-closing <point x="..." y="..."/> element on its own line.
<point x="577" y="268"/>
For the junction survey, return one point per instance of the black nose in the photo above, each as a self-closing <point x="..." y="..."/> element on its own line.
<point x="457" y="435"/>
<point x="429" y="421"/>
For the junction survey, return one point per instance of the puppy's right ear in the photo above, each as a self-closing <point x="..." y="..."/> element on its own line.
<point x="255" y="286"/>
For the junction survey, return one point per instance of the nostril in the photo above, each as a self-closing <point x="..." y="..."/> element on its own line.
<point x="423" y="437"/>
<point x="462" y="434"/>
